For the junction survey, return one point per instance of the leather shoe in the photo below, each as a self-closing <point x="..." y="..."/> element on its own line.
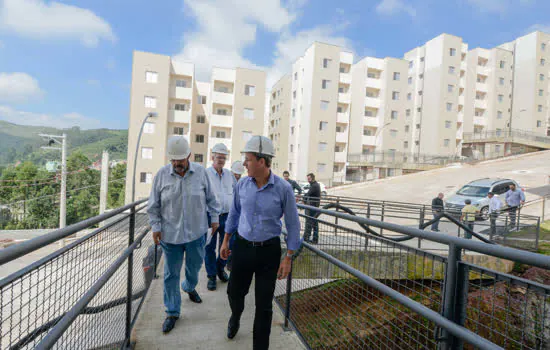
<point x="232" y="328"/>
<point x="195" y="297"/>
<point x="169" y="324"/>
<point x="222" y="275"/>
<point x="211" y="283"/>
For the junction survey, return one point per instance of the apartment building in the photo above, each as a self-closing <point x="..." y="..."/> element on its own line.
<point x="317" y="97"/>
<point x="228" y="109"/>
<point x="531" y="70"/>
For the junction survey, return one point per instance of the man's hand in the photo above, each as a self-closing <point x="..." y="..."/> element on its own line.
<point x="214" y="227"/>
<point x="156" y="237"/>
<point x="284" y="268"/>
<point x="224" y="250"/>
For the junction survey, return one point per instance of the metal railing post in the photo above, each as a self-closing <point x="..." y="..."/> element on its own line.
<point x="450" y="293"/>
<point x="537" y="236"/>
<point x="461" y="295"/>
<point x="131" y="233"/>
<point x="382" y="217"/>
<point x="421" y="223"/>
<point x="336" y="218"/>
<point x="288" y="292"/>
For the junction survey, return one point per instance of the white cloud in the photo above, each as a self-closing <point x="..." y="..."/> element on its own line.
<point x="37" y="19"/>
<point x="497" y="6"/>
<point x="226" y="28"/>
<point x="392" y="7"/>
<point x="18" y="88"/>
<point x="41" y="119"/>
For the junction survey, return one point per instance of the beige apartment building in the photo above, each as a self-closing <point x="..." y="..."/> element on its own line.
<point x="228" y="109"/>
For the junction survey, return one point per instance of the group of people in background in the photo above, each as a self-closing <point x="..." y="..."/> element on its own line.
<point x="514" y="199"/>
<point x="218" y="215"/>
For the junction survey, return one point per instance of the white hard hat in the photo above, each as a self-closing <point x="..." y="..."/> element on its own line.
<point x="220" y="148"/>
<point x="237" y="167"/>
<point x="260" y="145"/>
<point x="178" y="148"/>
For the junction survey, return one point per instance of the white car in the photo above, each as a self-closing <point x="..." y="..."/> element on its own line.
<point x="305" y="187"/>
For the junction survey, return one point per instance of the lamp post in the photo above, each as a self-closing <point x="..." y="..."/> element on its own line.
<point x="149" y="115"/>
<point x="62" y="141"/>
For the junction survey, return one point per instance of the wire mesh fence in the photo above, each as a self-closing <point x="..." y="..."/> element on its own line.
<point x="331" y="308"/>
<point x="34" y="299"/>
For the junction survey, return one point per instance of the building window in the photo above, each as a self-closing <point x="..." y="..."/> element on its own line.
<point x="321" y="167"/>
<point x="539" y="108"/>
<point x="151" y="77"/>
<point x="542" y="61"/>
<point x="367" y="132"/>
<point x="452" y="52"/>
<point x="368" y="113"/>
<point x="342" y="69"/>
<point x="324" y="105"/>
<point x="326" y="62"/>
<point x="248" y="113"/>
<point x="150" y="102"/>
<point x="201" y="119"/>
<point x="421" y="76"/>
<point x="502" y="64"/>
<point x="411" y="64"/>
<point x="293" y="112"/>
<point x="199" y="138"/>
<point x="341" y="89"/>
<point x="407" y="128"/>
<point x="396" y="75"/>
<point x="478" y="113"/>
<point x="541" y="77"/>
<point x="223" y="111"/>
<point x="146" y="152"/>
<point x="325" y="84"/>
<point x="419" y="92"/>
<point x="322" y="146"/>
<point x="179" y="130"/>
<point x="223" y="89"/>
<point x="294" y="94"/>
<point x="408" y="113"/>
<point x="393" y="133"/>
<point x="446" y="142"/>
<point x="499" y="115"/>
<point x="541" y="92"/>
<point x="405" y="144"/>
<point x="449" y="106"/>
<point x="419" y="109"/>
<point x="201" y="100"/>
<point x="198" y="158"/>
<point x="181" y="83"/>
<point x="250" y="90"/>
<point x="395" y="95"/>
<point x="339" y="128"/>
<point x="149" y="128"/>
<point x="447" y="124"/>
<point x="146" y="178"/>
<point x="451" y="70"/>
<point x="450" y="88"/>
<point x="543" y="46"/>
<point x="291" y="130"/>
<point x="372" y="75"/>
<point x="291" y="148"/>
<point x="323" y="126"/>
<point x="220" y="134"/>
<point x="539" y="123"/>
<point x="296" y="76"/>
<point x="393" y="114"/>
<point x="410" y="80"/>
<point x="500" y="98"/>
<point x="409" y="96"/>
<point x="421" y="59"/>
<point x="181" y="107"/>
<point x="247" y="135"/>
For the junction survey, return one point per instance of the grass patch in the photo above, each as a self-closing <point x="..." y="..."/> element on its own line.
<point x="531" y="231"/>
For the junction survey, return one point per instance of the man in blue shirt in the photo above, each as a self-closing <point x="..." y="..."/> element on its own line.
<point x="223" y="183"/>
<point x="514" y="199"/>
<point x="259" y="203"/>
<point x="180" y="198"/>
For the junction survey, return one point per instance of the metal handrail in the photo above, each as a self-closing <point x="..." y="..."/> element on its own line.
<point x="15" y="251"/>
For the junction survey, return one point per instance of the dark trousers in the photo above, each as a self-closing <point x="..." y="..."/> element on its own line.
<point x="435" y="224"/>
<point x="212" y="259"/>
<point x="470" y="225"/>
<point x="513" y="214"/>
<point x="264" y="263"/>
<point x="311" y="224"/>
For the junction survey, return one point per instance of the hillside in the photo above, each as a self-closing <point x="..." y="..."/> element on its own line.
<point x="22" y="143"/>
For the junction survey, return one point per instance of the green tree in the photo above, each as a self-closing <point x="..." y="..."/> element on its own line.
<point x="116" y="192"/>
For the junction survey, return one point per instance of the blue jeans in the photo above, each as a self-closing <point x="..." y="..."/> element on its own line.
<point x="212" y="261"/>
<point x="173" y="260"/>
<point x="437" y="215"/>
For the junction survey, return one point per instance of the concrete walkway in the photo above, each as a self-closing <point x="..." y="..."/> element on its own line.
<point x="204" y="326"/>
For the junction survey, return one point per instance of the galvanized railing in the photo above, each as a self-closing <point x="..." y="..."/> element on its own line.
<point x="355" y="290"/>
<point x="85" y="295"/>
<point x="508" y="136"/>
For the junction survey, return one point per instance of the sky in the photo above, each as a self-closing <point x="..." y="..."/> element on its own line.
<point x="68" y="63"/>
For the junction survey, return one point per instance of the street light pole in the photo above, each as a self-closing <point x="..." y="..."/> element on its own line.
<point x="149" y="115"/>
<point x="62" y="141"/>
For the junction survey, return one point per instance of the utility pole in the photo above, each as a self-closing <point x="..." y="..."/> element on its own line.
<point x="62" y="142"/>
<point x="104" y="182"/>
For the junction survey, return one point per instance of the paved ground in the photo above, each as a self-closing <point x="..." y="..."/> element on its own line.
<point x="204" y="326"/>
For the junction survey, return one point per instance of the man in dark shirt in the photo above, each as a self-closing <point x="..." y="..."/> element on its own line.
<point x="437" y="210"/>
<point x="312" y="198"/>
<point x="294" y="184"/>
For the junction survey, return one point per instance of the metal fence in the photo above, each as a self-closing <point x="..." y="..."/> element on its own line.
<point x="84" y="295"/>
<point x="355" y="290"/>
<point x="507" y="136"/>
<point x="523" y="235"/>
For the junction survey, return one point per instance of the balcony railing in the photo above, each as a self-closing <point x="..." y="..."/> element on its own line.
<point x="514" y="135"/>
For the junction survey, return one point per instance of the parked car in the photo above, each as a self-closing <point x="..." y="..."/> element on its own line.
<point x="477" y="191"/>
<point x="305" y="187"/>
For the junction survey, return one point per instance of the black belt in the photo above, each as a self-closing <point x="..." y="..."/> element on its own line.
<point x="224" y="214"/>
<point x="271" y="241"/>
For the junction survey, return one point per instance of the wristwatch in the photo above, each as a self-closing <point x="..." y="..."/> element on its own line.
<point x="289" y="255"/>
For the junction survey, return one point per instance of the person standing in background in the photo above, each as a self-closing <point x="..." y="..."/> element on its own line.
<point x="312" y="198"/>
<point x="514" y="199"/>
<point x="237" y="169"/>
<point x="437" y="210"/>
<point x="468" y="217"/>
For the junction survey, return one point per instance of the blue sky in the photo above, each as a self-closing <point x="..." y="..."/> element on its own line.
<point x="65" y="63"/>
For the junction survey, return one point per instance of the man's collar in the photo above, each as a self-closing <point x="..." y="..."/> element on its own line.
<point x="192" y="167"/>
<point x="270" y="180"/>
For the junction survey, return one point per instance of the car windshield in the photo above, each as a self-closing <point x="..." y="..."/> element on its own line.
<point x="473" y="191"/>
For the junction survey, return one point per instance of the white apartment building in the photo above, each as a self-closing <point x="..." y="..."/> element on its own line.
<point x="531" y="67"/>
<point x="228" y="109"/>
